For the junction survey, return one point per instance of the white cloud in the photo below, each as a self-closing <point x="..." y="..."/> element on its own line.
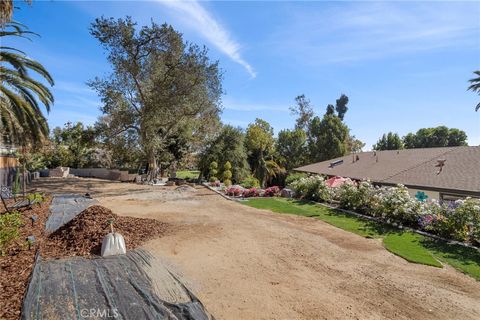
<point x="361" y="31"/>
<point x="195" y="15"/>
<point x="73" y="87"/>
<point x="75" y="96"/>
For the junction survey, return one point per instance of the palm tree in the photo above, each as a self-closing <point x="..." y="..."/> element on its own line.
<point x="273" y="169"/>
<point x="21" y="118"/>
<point x="475" y="86"/>
<point x="6" y="11"/>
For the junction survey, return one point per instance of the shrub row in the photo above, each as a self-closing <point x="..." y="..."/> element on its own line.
<point x="459" y="220"/>
<point x="239" y="191"/>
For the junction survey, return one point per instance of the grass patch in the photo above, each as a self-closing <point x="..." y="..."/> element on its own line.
<point x="281" y="205"/>
<point x="408" y="245"/>
<point x="464" y="259"/>
<point x="188" y="174"/>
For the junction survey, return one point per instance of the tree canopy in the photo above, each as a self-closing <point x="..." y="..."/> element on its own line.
<point x="260" y="146"/>
<point x="304" y="111"/>
<point x="292" y="148"/>
<point x="389" y="141"/>
<point x="435" y="137"/>
<point x="327" y="137"/>
<point x="227" y="146"/>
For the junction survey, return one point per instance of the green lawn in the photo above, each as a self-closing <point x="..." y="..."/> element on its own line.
<point x="188" y="174"/>
<point x="408" y="245"/>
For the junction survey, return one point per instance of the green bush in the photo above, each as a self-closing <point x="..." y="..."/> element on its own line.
<point x="292" y="177"/>
<point x="38" y="197"/>
<point x="227" y="174"/>
<point x="9" y="229"/>
<point x="250" y="182"/>
<point x="213" y="171"/>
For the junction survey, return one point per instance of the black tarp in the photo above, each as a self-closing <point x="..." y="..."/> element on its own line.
<point x="65" y="207"/>
<point x="115" y="287"/>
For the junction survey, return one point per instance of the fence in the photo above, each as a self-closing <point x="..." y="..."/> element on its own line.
<point x="8" y="170"/>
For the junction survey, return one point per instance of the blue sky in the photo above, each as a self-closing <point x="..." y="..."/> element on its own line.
<point x="404" y="65"/>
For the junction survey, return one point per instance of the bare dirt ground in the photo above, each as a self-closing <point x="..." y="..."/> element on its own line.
<point x="245" y="263"/>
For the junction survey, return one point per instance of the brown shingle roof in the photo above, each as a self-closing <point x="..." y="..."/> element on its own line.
<point x="414" y="167"/>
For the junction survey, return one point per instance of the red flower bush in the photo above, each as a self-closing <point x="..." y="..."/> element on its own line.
<point x="252" y="192"/>
<point x="234" y="191"/>
<point x="271" y="191"/>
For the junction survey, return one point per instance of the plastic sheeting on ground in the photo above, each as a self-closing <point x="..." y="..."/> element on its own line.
<point x="131" y="286"/>
<point x="64" y="208"/>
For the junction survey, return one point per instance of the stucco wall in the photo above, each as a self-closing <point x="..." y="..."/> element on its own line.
<point x="102" y="173"/>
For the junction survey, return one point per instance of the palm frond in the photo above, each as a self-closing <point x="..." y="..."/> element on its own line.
<point x="21" y="118"/>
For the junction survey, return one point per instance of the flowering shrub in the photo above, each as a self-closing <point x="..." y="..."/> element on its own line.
<point x="271" y="191"/>
<point x="465" y="223"/>
<point x="354" y="197"/>
<point x="459" y="220"/>
<point x="312" y="188"/>
<point x="252" y="192"/>
<point x="433" y="218"/>
<point x="234" y="191"/>
<point x="395" y="204"/>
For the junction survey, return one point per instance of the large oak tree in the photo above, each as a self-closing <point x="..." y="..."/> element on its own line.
<point x="158" y="87"/>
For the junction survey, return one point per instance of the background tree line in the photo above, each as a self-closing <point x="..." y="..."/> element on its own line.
<point x="440" y="136"/>
<point x="257" y="153"/>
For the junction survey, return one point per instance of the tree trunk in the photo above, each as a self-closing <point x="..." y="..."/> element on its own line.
<point x="152" y="166"/>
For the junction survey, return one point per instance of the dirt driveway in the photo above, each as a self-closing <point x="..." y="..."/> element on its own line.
<point x="245" y="263"/>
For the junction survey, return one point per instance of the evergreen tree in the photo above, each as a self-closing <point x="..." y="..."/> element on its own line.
<point x="389" y="141"/>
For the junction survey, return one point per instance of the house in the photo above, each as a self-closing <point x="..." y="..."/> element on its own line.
<point x="8" y="167"/>
<point x="446" y="173"/>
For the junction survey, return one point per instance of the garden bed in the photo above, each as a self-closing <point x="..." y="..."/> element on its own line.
<point x="19" y="260"/>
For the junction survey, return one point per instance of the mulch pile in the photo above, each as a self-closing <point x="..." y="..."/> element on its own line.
<point x="83" y="235"/>
<point x="17" y="264"/>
